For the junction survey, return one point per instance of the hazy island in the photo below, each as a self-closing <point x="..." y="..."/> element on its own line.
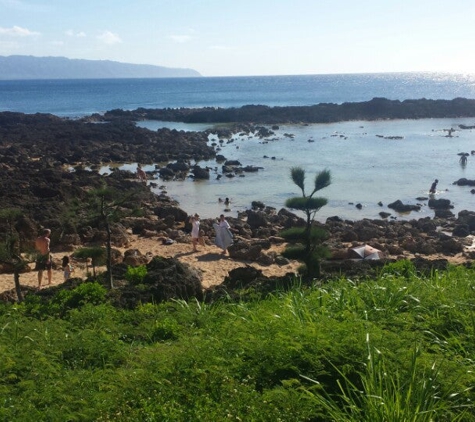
<point x="30" y="67"/>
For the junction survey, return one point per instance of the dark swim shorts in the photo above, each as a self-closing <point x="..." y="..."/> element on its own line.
<point x="43" y="262"/>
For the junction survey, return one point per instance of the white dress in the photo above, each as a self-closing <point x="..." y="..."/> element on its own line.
<point x="195" y="230"/>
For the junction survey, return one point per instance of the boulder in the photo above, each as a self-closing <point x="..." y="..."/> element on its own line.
<point x="461" y="230"/>
<point x="241" y="277"/>
<point x="245" y="251"/>
<point x="443" y="213"/>
<point x="400" y="207"/>
<point x="179" y="166"/>
<point x="166" y="172"/>
<point x="266" y="259"/>
<point x="171" y="210"/>
<point x="450" y="246"/>
<point x="440" y="204"/>
<point x="464" y="182"/>
<point x="200" y="173"/>
<point x="257" y="205"/>
<point x="134" y="258"/>
<point x="256" y="219"/>
<point x="468" y="218"/>
<point x="232" y="163"/>
<point x="166" y="278"/>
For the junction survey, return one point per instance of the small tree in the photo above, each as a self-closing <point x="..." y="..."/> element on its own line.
<point x="10" y="250"/>
<point x="308" y="246"/>
<point x="106" y="205"/>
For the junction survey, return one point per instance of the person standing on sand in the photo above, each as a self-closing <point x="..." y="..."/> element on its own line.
<point x="195" y="230"/>
<point x="433" y="187"/>
<point x="223" y="224"/>
<point x="43" y="260"/>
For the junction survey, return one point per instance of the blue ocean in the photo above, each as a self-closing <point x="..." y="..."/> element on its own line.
<point x="368" y="165"/>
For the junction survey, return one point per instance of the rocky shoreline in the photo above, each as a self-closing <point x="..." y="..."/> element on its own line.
<point x="49" y="165"/>
<point x="375" y="109"/>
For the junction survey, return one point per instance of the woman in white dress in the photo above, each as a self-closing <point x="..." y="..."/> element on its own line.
<point x="195" y="230"/>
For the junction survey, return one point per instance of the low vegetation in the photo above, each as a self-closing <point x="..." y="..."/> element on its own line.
<point x="396" y="348"/>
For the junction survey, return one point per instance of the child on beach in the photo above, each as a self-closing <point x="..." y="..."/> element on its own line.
<point x="67" y="268"/>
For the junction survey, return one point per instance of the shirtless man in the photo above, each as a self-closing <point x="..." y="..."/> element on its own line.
<point x="43" y="261"/>
<point x="141" y="174"/>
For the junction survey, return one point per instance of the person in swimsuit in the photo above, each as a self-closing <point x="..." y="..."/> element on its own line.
<point x="433" y="187"/>
<point x="43" y="260"/>
<point x="141" y="174"/>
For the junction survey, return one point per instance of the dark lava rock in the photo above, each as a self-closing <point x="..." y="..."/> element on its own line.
<point x="461" y="230"/>
<point x="464" y="182"/>
<point x="440" y="204"/>
<point x="400" y="207"/>
<point x="468" y="218"/>
<point x="167" y="278"/>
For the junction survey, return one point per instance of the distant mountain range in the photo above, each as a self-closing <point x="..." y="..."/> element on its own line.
<point x="30" y="67"/>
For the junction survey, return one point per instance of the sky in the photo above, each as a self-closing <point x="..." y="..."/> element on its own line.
<point x="249" y="37"/>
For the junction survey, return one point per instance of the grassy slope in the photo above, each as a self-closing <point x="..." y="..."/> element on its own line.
<point x="398" y="348"/>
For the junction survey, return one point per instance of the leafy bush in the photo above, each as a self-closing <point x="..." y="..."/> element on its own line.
<point x="92" y="293"/>
<point x="65" y="300"/>
<point x="402" y="268"/>
<point x="135" y="275"/>
<point x="165" y="330"/>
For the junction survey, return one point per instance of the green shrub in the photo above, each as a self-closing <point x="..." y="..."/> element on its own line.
<point x="64" y="300"/>
<point x="402" y="268"/>
<point x="92" y="293"/>
<point x="165" y="330"/>
<point x="135" y="275"/>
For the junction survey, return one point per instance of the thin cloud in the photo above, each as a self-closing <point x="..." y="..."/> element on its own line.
<point x="17" y="31"/>
<point x="71" y="33"/>
<point x="109" y="38"/>
<point x="180" y="38"/>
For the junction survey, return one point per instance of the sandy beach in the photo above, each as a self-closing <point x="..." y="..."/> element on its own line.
<point x="208" y="260"/>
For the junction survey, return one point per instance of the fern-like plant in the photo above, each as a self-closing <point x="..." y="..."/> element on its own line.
<point x="307" y="241"/>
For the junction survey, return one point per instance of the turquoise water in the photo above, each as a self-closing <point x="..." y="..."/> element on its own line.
<point x="366" y="168"/>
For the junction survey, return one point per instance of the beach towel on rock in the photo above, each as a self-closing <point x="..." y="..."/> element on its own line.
<point x="224" y="238"/>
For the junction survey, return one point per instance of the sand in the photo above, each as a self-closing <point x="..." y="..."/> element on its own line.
<point x="209" y="260"/>
<point x="213" y="265"/>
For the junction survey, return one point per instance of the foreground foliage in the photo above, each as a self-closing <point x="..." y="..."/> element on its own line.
<point x="398" y="348"/>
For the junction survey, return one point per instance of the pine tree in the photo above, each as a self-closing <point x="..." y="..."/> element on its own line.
<point x="307" y="241"/>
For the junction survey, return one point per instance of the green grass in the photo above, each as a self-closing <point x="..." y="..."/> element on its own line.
<point x="398" y="348"/>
